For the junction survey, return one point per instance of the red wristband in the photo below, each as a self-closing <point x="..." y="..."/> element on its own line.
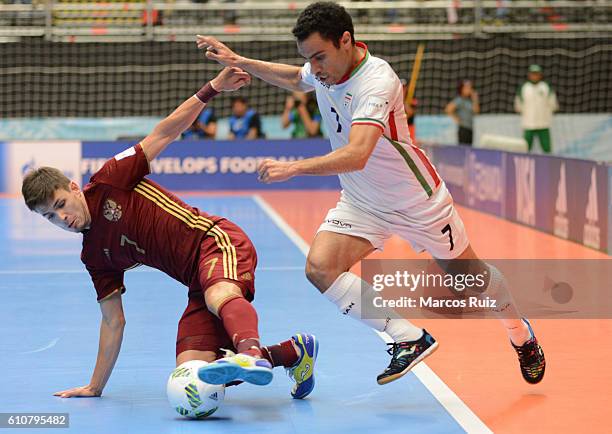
<point x="206" y="93"/>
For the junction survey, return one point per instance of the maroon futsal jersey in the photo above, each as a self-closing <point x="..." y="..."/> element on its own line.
<point x="134" y="221"/>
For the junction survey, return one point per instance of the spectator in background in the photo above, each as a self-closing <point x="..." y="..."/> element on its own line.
<point x="302" y="112"/>
<point x="410" y="113"/>
<point x="204" y="127"/>
<point x="462" y="109"/>
<point x="501" y="12"/>
<point x="410" y="110"/>
<point x="244" y="123"/>
<point x="536" y="102"/>
<point x="230" y="16"/>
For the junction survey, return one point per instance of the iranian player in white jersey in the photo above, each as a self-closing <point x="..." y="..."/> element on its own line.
<point x="388" y="185"/>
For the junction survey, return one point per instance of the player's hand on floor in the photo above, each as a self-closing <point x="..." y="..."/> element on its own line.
<point x="230" y="78"/>
<point x="217" y="51"/>
<point x="275" y="171"/>
<point x="76" y="392"/>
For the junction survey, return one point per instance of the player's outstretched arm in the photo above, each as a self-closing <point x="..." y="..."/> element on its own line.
<point x="111" y="336"/>
<point x="278" y="74"/>
<point x="183" y="117"/>
<point x="349" y="158"/>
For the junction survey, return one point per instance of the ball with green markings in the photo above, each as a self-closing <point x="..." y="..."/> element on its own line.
<point x="190" y="396"/>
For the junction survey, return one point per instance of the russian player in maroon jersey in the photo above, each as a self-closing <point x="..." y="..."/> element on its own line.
<point x="127" y="220"/>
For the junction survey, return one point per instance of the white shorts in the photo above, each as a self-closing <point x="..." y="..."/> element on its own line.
<point x="433" y="225"/>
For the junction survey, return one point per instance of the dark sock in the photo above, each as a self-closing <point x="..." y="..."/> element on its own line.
<point x="283" y="354"/>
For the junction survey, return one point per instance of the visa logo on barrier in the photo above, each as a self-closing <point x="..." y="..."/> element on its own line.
<point x="485" y="181"/>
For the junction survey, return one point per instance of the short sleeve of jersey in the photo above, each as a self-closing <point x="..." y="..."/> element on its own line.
<point x="372" y="103"/>
<point x="124" y="170"/>
<point x="106" y="281"/>
<point x="308" y="80"/>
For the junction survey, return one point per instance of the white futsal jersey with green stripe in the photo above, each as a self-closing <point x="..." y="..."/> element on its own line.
<point x="398" y="175"/>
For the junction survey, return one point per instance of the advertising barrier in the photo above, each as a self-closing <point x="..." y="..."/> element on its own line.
<point x="569" y="198"/>
<point x="564" y="197"/>
<point x="610" y="210"/>
<point x="485" y="187"/>
<point x="451" y="163"/>
<point x="218" y="165"/>
<point x="19" y="157"/>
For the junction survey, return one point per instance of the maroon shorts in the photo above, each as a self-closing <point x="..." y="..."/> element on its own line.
<point x="226" y="254"/>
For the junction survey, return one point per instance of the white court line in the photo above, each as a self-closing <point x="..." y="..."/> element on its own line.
<point x="464" y="416"/>
<point x="46" y="347"/>
<point x="136" y="270"/>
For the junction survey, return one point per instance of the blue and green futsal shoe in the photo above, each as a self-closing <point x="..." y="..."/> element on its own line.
<point x="303" y="370"/>
<point x="237" y="367"/>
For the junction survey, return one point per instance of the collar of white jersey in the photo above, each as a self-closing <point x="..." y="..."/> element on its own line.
<point x="357" y="68"/>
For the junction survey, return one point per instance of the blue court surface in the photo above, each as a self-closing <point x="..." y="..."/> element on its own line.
<point x="49" y="340"/>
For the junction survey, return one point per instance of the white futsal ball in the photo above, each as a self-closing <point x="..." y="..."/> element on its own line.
<point x="190" y="396"/>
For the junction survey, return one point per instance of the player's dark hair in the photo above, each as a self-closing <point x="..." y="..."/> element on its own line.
<point x="39" y="186"/>
<point x="329" y="19"/>
<point x="461" y="84"/>
<point x="238" y="98"/>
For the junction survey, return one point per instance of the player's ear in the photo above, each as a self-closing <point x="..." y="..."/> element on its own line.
<point x="74" y="187"/>
<point x="345" y="40"/>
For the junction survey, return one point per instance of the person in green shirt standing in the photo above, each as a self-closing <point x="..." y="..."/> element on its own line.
<point x="536" y="102"/>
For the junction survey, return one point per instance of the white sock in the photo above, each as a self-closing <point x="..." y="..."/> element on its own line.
<point x="346" y="293"/>
<point x="508" y="314"/>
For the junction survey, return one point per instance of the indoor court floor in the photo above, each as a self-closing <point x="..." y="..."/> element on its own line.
<point x="49" y="322"/>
